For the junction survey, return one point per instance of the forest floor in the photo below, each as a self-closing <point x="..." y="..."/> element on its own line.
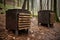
<point x="35" y="32"/>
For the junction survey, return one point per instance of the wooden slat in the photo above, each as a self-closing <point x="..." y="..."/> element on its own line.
<point x="23" y="28"/>
<point x="23" y="23"/>
<point x="24" y="16"/>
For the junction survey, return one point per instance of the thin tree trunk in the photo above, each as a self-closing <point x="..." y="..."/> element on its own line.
<point x="27" y="4"/>
<point x="55" y="10"/>
<point x="32" y="6"/>
<point x="51" y="4"/>
<point x="47" y="4"/>
<point x="40" y="4"/>
<point x="24" y="5"/>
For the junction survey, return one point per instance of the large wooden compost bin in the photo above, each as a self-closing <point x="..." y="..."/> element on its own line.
<point x="17" y="19"/>
<point x="46" y="17"/>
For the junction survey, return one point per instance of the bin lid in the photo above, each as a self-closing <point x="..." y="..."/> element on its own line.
<point x="45" y="11"/>
<point x="17" y="10"/>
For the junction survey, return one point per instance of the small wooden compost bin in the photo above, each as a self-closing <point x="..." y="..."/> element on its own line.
<point x="46" y="17"/>
<point x="17" y="19"/>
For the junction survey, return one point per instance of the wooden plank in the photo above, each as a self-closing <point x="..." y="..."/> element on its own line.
<point x="24" y="16"/>
<point x="24" y="13"/>
<point x="23" y="28"/>
<point x="23" y="21"/>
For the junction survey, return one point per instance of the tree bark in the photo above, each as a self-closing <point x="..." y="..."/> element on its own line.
<point x="47" y="4"/>
<point x="55" y="10"/>
<point x="27" y="4"/>
<point x="40" y="4"/>
<point x="24" y="5"/>
<point x="32" y="7"/>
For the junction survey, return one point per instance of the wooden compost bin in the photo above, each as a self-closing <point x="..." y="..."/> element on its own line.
<point x="17" y="19"/>
<point x="46" y="17"/>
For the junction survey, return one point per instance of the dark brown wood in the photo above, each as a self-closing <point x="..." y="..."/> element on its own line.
<point x="46" y="17"/>
<point x="14" y="21"/>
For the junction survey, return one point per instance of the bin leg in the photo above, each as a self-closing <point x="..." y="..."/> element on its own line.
<point x="51" y="25"/>
<point x="16" y="32"/>
<point x="48" y="25"/>
<point x="26" y="31"/>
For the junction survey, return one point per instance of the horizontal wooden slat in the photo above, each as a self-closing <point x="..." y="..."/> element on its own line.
<point x="23" y="28"/>
<point x="24" y="13"/>
<point x="23" y="20"/>
<point x="23" y="23"/>
<point x="24" y="17"/>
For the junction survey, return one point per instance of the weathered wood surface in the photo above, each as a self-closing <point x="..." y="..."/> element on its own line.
<point x="24" y="21"/>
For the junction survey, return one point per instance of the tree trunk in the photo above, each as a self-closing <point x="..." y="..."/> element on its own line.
<point x="32" y="6"/>
<point x="40" y="4"/>
<point x="51" y="4"/>
<point x="55" y="10"/>
<point x="47" y="4"/>
<point x="24" y="5"/>
<point x="27" y="4"/>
